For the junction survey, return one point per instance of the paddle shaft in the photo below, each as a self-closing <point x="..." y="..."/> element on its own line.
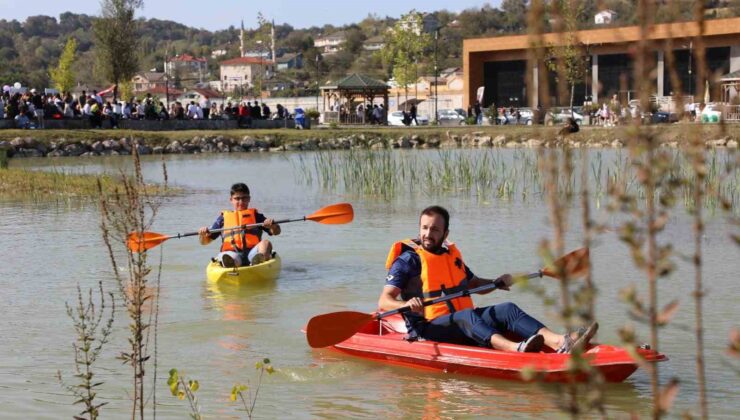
<point x="479" y="289"/>
<point x="240" y="227"/>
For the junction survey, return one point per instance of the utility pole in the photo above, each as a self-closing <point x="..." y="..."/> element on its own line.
<point x="318" y="81"/>
<point x="436" y="75"/>
<point x="166" y="80"/>
<point x="691" y="52"/>
<point x="436" y="70"/>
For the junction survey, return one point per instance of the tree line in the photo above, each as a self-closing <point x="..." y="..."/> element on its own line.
<point x="29" y="49"/>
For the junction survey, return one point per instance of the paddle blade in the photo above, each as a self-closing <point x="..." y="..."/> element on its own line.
<point x="574" y="264"/>
<point x="333" y="328"/>
<point x="335" y="214"/>
<point x="138" y="242"/>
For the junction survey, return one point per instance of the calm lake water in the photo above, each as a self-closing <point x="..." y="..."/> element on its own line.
<point x="216" y="334"/>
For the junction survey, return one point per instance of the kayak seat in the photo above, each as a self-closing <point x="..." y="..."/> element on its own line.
<point x="397" y="326"/>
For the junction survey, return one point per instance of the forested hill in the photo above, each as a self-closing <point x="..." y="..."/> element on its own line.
<point x="28" y="49"/>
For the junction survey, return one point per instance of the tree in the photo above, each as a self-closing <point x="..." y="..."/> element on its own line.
<point x="405" y="46"/>
<point x="355" y="38"/>
<point x="116" y="40"/>
<point x="514" y="15"/>
<point x="567" y="60"/>
<point x="62" y="75"/>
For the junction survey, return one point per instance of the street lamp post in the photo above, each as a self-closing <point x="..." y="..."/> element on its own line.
<point x="436" y="74"/>
<point x="166" y="82"/>
<point x="691" y="53"/>
<point x="318" y="81"/>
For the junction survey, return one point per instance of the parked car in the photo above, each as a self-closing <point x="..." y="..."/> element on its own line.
<point x="461" y="112"/>
<point x="659" y="117"/>
<point x="449" y="117"/>
<point x="521" y="116"/>
<point x="561" y="115"/>
<point x="396" y="119"/>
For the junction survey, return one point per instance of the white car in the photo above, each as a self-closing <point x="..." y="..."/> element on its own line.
<point x="396" y="119"/>
<point x="561" y="115"/>
<point x="449" y="117"/>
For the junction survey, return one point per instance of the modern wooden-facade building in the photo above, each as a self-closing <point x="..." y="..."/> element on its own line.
<point x="500" y="63"/>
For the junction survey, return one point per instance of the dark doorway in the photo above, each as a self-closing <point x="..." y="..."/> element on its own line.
<point x="505" y="83"/>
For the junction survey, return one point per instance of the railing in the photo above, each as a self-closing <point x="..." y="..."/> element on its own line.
<point x="732" y="113"/>
<point x="668" y="103"/>
<point x="353" y="118"/>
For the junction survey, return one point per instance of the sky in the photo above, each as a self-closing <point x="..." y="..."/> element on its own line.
<point x="220" y="14"/>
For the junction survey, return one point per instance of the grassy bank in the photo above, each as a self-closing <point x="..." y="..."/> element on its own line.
<point x="665" y="132"/>
<point x="36" y="184"/>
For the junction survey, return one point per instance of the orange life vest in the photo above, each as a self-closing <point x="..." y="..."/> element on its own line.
<point x="239" y="240"/>
<point x="441" y="274"/>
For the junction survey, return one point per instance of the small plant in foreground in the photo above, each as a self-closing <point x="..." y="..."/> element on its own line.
<point x="92" y="334"/>
<point x="181" y="389"/>
<point x="237" y="392"/>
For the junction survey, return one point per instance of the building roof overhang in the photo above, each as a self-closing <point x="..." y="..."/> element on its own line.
<point x="612" y="35"/>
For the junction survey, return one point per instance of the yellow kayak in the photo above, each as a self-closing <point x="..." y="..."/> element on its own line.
<point x="266" y="271"/>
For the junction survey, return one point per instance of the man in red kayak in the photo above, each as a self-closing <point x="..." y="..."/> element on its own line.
<point x="429" y="267"/>
<point x="241" y="247"/>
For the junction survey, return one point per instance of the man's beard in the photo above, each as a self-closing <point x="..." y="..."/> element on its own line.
<point x="433" y="247"/>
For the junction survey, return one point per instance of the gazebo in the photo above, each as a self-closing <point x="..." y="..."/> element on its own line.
<point x="351" y="99"/>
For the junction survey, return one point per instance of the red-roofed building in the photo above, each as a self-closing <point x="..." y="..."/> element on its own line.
<point x="240" y="73"/>
<point x="186" y="66"/>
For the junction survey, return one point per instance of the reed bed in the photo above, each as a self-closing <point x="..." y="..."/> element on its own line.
<point x="502" y="174"/>
<point x="15" y="182"/>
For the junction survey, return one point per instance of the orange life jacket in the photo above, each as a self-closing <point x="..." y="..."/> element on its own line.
<point x="239" y="240"/>
<point x="441" y="274"/>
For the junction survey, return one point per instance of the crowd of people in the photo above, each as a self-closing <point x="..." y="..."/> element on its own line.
<point x="363" y="112"/>
<point x="31" y="108"/>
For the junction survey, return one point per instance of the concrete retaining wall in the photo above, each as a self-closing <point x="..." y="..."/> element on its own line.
<point x="165" y="125"/>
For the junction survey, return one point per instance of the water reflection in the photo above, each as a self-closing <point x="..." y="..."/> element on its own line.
<point x="218" y="331"/>
<point x="235" y="301"/>
<point x="419" y="393"/>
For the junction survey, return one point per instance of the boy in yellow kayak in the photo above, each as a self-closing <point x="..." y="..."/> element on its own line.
<point x="429" y="267"/>
<point x="241" y="247"/>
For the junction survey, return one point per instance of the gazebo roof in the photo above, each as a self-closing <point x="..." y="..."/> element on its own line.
<point x="735" y="75"/>
<point x="359" y="82"/>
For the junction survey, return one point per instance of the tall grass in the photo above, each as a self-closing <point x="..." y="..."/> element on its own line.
<point x="60" y="184"/>
<point x="509" y="175"/>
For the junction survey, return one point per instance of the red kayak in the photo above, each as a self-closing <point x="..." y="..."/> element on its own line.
<point x="383" y="340"/>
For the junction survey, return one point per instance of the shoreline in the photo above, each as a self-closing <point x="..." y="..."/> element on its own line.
<point x="74" y="143"/>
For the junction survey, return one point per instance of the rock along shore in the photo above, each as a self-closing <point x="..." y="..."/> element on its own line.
<point x="118" y="143"/>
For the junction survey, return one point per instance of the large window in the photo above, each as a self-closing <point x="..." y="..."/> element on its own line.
<point x="505" y="83"/>
<point x="718" y="62"/>
<point x="616" y="76"/>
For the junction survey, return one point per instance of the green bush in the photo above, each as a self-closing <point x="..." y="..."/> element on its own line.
<point x="312" y="113"/>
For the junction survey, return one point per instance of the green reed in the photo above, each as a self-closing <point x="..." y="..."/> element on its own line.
<point x="499" y="174"/>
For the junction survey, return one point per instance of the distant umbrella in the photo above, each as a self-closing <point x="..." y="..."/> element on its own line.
<point x="706" y="92"/>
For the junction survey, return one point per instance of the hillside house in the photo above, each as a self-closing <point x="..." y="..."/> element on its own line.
<point x="142" y="82"/>
<point x="375" y="43"/>
<point x="605" y="17"/>
<point x="186" y="67"/>
<point x="289" y="61"/>
<point x="240" y="72"/>
<point x="331" y="44"/>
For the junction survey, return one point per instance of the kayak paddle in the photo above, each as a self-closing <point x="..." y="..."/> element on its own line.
<point x="333" y="328"/>
<point x="334" y="214"/>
